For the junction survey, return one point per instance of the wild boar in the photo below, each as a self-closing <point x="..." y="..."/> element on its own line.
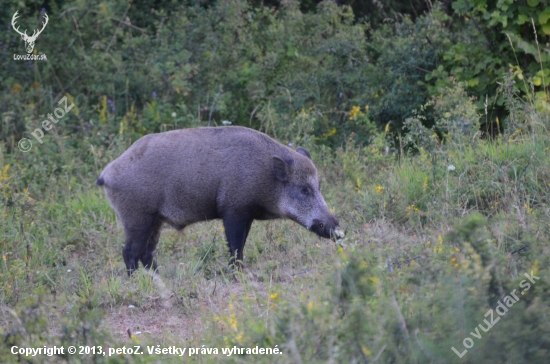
<point x="231" y="173"/>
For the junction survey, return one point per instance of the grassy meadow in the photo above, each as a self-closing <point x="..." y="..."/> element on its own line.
<point x="446" y="212"/>
<point x="433" y="241"/>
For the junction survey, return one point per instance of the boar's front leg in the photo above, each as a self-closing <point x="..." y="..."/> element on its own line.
<point x="236" y="228"/>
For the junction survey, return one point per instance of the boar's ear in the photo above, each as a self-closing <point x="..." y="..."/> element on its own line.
<point x="281" y="169"/>
<point x="303" y="152"/>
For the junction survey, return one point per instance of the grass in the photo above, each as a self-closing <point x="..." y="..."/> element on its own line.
<point x="429" y="250"/>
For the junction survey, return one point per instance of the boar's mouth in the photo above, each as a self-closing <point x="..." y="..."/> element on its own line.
<point x="325" y="230"/>
<point x="329" y="230"/>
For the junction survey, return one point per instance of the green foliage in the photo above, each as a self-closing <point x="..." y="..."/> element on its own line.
<point x="441" y="222"/>
<point x="429" y="250"/>
<point x="30" y="328"/>
<point x="418" y="311"/>
<point x="496" y="38"/>
<point x="404" y="53"/>
<point x="280" y="59"/>
<point x="326" y="61"/>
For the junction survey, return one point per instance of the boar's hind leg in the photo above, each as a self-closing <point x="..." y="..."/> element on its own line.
<point x="147" y="258"/>
<point x="236" y="231"/>
<point x="141" y="238"/>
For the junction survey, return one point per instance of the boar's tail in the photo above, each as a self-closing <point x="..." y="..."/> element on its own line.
<point x="100" y="181"/>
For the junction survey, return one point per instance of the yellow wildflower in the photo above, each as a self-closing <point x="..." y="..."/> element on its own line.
<point x="103" y="110"/>
<point x="412" y="208"/>
<point x="355" y="111"/>
<point x="15" y="89"/>
<point x="331" y="132"/>
<point x="134" y="338"/>
<point x="233" y="321"/>
<point x="4" y="175"/>
<point x="535" y="267"/>
<point x="71" y="102"/>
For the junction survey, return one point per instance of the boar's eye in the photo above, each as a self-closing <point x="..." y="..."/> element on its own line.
<point x="304" y="191"/>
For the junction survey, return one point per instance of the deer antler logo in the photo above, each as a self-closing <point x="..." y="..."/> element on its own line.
<point x="29" y="41"/>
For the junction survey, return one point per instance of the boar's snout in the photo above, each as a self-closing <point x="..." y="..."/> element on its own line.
<point x="327" y="228"/>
